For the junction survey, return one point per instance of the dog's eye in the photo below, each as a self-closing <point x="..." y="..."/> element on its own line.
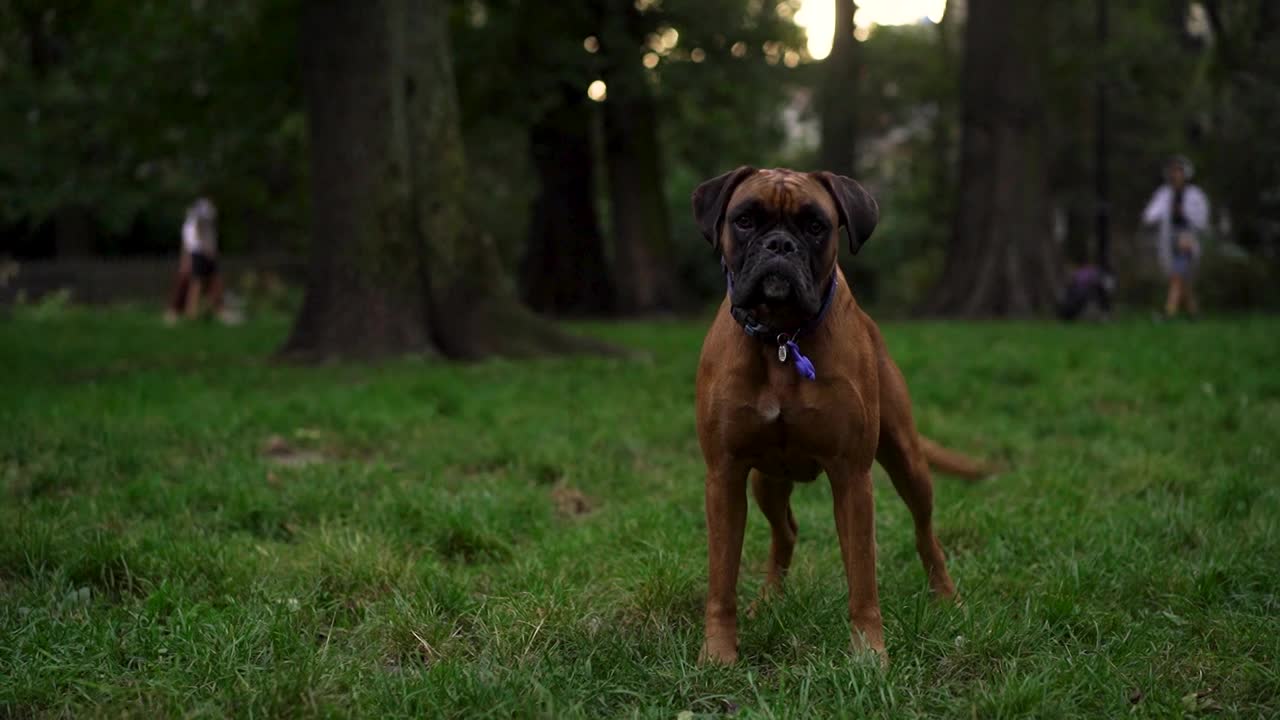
<point x="815" y="227"/>
<point x="745" y="222"/>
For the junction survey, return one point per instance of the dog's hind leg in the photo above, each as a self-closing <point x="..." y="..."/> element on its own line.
<point x="901" y="455"/>
<point x="773" y="495"/>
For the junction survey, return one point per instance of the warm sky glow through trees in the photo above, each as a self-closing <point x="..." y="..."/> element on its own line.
<point x="817" y="17"/>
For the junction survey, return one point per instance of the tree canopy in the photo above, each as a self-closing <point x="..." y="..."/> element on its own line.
<point x="114" y="116"/>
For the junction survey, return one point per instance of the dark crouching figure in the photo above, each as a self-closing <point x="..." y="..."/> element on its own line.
<point x="1087" y="287"/>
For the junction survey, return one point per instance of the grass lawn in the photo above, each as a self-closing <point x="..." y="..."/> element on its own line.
<point x="191" y="530"/>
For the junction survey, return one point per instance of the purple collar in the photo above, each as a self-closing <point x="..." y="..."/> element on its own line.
<point x="786" y="342"/>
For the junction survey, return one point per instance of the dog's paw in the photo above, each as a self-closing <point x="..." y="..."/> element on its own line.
<point x="718" y="653"/>
<point x="868" y="650"/>
<point x="945" y="595"/>
<point x="869" y="657"/>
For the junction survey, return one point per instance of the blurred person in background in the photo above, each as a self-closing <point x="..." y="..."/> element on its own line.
<point x="197" y="264"/>
<point x="1087" y="288"/>
<point x="1180" y="212"/>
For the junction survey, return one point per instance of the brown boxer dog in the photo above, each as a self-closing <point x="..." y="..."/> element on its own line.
<point x="795" y="380"/>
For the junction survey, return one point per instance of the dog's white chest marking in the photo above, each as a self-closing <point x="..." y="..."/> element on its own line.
<point x="768" y="407"/>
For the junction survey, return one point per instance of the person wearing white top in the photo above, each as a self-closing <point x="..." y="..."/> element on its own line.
<point x="1180" y="213"/>
<point x="197" y="263"/>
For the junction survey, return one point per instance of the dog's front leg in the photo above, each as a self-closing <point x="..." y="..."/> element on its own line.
<point x="726" y="521"/>
<point x="856" y="527"/>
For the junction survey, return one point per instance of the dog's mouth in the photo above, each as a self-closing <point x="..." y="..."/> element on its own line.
<point x="775" y="288"/>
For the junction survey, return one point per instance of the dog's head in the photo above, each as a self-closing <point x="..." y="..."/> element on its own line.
<point x="778" y="232"/>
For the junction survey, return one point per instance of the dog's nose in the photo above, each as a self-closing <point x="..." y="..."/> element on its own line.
<point x="780" y="245"/>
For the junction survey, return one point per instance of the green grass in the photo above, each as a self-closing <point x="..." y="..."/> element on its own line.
<point x="155" y="563"/>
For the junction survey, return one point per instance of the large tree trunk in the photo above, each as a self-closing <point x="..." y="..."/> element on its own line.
<point x="395" y="266"/>
<point x="1247" y="99"/>
<point x="365" y="293"/>
<point x="1001" y="259"/>
<point x="839" y="98"/>
<point x="641" y="225"/>
<point x="564" y="270"/>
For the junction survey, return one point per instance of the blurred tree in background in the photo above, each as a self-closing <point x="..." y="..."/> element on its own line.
<point x="1242" y="146"/>
<point x="840" y="82"/>
<point x="1000" y="259"/>
<point x="396" y="264"/>
<point x="643" y="246"/>
<point x="683" y="87"/>
<point x="1163" y="69"/>
<point x="531" y="132"/>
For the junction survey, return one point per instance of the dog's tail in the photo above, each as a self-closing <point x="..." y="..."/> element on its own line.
<point x="950" y="462"/>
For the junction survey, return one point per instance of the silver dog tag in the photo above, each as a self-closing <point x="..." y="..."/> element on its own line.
<point x="782" y="353"/>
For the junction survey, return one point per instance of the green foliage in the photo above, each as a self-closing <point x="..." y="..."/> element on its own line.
<point x="1168" y="92"/>
<point x="909" y="123"/>
<point x="121" y="112"/>
<point x="512" y="61"/>
<point x="1157" y="100"/>
<point x="1232" y="278"/>
<point x="717" y="112"/>
<point x="131" y="110"/>
<point x="401" y="547"/>
<point x="1243" y="158"/>
<point x="724" y="110"/>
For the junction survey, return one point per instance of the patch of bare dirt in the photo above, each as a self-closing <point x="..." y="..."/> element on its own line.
<point x="280" y="451"/>
<point x="571" y="502"/>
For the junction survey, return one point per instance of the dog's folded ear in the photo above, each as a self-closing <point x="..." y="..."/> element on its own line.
<point x="710" y="199"/>
<point x="859" y="212"/>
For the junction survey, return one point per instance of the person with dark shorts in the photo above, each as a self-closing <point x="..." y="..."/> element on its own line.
<point x="198" y="274"/>
<point x="203" y="267"/>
